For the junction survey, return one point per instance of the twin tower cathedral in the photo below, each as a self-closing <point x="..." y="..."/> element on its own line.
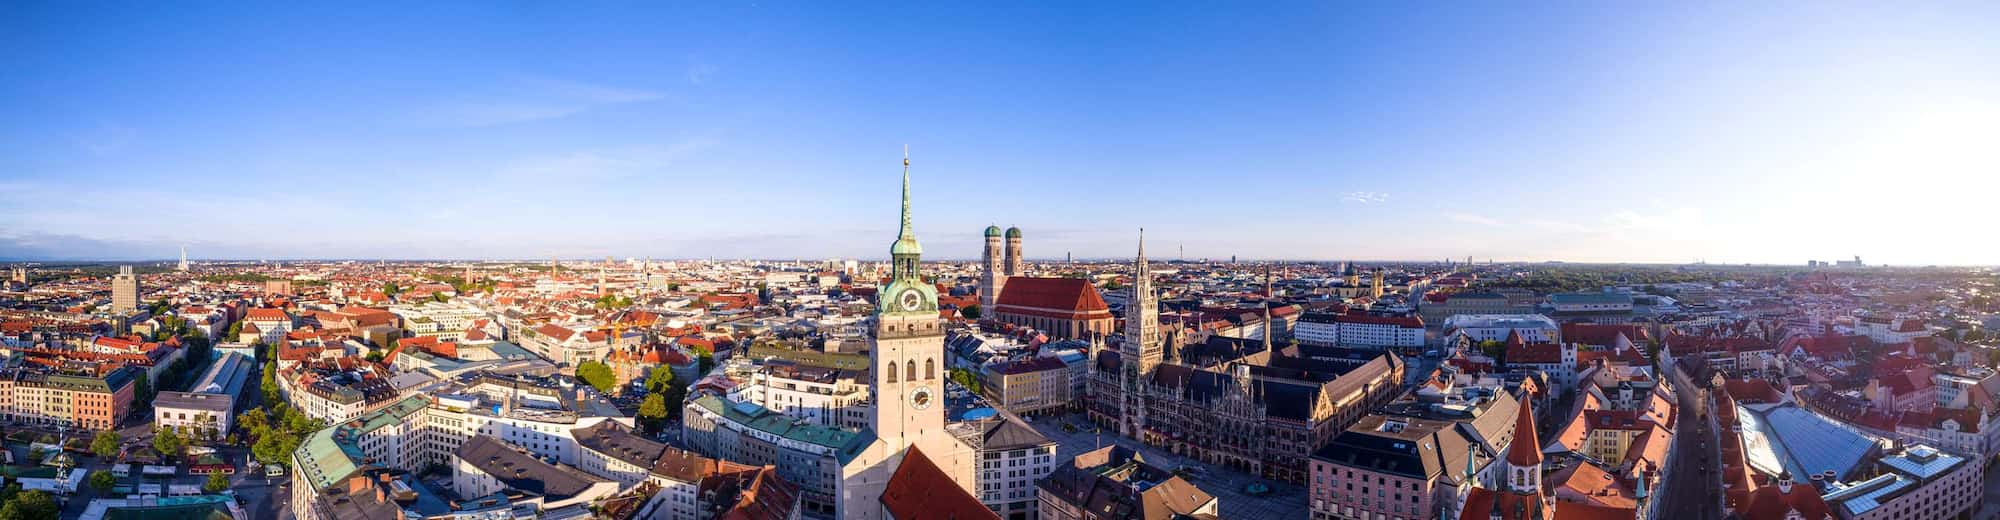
<point x="998" y="267"/>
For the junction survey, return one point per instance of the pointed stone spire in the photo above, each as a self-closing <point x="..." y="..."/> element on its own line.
<point x="1268" y="326"/>
<point x="906" y="238"/>
<point x="1142" y="347"/>
<point x="907" y="231"/>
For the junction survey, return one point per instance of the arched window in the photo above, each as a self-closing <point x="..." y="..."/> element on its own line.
<point x="930" y="369"/>
<point x="910" y="370"/>
<point x="892" y="372"/>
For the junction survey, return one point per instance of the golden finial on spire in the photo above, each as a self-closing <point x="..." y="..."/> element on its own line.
<point x="906" y="156"/>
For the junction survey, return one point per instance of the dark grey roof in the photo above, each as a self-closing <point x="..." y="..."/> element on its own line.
<point x="1008" y="432"/>
<point x="1416" y="448"/>
<point x="1115" y="482"/>
<point x="194" y="401"/>
<point x="521" y="471"/>
<point x="1490" y="422"/>
<point x="358" y="506"/>
<point x="612" y="439"/>
<point x="1288" y="387"/>
<point x="1289" y="400"/>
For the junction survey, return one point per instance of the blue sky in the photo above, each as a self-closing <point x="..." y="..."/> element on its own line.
<point x="1528" y="131"/>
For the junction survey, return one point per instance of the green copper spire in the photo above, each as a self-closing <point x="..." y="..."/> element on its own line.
<point x="906" y="239"/>
<point x="907" y="294"/>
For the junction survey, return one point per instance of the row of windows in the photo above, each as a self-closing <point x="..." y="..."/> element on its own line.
<point x="930" y="371"/>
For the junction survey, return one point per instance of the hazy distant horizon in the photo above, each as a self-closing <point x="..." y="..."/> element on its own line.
<point x="1031" y="260"/>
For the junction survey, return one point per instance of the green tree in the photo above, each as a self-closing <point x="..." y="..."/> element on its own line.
<point x="597" y="374"/>
<point x="216" y="483"/>
<point x="965" y="379"/>
<point x="273" y="447"/>
<point x="168" y="443"/>
<point x="105" y="444"/>
<point x="659" y="379"/>
<point x="142" y="390"/>
<point x="675" y="398"/>
<point x="440" y="297"/>
<point x="270" y="385"/>
<point x="705" y="359"/>
<point x="300" y="423"/>
<point x="30" y="505"/>
<point x="970" y="312"/>
<point x="254" y="421"/>
<point x="613" y="301"/>
<point x="390" y="289"/>
<point x="102" y="481"/>
<point x="653" y="411"/>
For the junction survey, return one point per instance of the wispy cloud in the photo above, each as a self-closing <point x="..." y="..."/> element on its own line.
<point x="1480" y="220"/>
<point x="530" y="100"/>
<point x="1365" y="197"/>
<point x="603" y="164"/>
<point x="1557" y="225"/>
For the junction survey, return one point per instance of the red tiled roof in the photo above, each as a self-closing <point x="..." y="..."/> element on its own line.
<point x="1752" y="391"/>
<point x="1579" y="484"/>
<point x="1769" y="503"/>
<point x="267" y="314"/>
<point x="1911" y="325"/>
<point x="1967" y="418"/>
<point x="1071" y="294"/>
<point x="1616" y="420"/>
<point x="1523" y="451"/>
<point x="1577" y="431"/>
<point x="920" y="491"/>
<point x="1580" y="511"/>
<point x="555" y="331"/>
<point x="1600" y="334"/>
<point x="1482" y="503"/>
<point x="1536" y="354"/>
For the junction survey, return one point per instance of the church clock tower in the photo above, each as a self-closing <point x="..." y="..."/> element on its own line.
<point x="908" y="354"/>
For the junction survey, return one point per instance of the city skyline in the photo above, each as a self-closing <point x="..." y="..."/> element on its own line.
<point x="1663" y="135"/>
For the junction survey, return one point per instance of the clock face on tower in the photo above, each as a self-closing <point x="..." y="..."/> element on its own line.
<point x="912" y="300"/>
<point x="921" y="397"/>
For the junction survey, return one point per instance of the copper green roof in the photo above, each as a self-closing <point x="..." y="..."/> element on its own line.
<point x="325" y="461"/>
<point x="906" y="238"/>
<point x="992" y="231"/>
<point x="846" y="443"/>
<point x="391" y="414"/>
<point x="1013" y="232"/>
<point x="330" y="455"/>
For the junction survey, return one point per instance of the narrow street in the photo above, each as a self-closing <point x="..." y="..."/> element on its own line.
<point x="1692" y="479"/>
